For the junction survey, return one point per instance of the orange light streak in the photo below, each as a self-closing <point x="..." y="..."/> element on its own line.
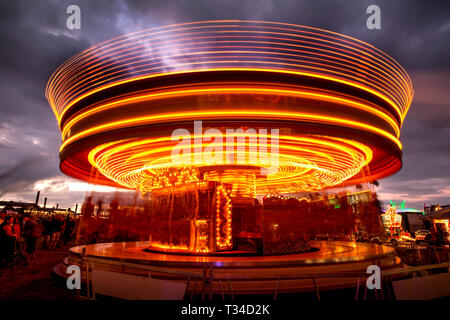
<point x="329" y="94"/>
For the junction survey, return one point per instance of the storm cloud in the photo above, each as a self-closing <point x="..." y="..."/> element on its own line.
<point x="35" y="41"/>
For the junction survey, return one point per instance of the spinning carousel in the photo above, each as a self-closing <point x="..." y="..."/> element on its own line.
<point x="245" y="141"/>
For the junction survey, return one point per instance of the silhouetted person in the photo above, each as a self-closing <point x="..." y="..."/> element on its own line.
<point x="32" y="231"/>
<point x="8" y="239"/>
<point x="47" y="233"/>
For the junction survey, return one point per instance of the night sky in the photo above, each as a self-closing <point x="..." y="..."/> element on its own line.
<point x="35" y="41"/>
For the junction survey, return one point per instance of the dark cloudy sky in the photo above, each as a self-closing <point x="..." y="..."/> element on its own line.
<point x="35" y="40"/>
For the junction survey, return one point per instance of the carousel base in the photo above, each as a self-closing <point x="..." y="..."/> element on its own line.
<point x="126" y="264"/>
<point x="237" y="275"/>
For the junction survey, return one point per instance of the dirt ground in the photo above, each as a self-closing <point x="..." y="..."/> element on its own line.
<point x="35" y="281"/>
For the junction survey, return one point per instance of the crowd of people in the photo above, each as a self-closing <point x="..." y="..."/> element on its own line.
<point x="437" y="236"/>
<point x="103" y="222"/>
<point x="21" y="233"/>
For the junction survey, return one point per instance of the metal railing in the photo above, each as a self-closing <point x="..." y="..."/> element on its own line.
<point x="207" y="278"/>
<point x="414" y="254"/>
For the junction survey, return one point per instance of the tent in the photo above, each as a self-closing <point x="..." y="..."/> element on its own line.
<point x="439" y="214"/>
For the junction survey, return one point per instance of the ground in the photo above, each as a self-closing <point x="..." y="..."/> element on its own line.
<point x="35" y="281"/>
